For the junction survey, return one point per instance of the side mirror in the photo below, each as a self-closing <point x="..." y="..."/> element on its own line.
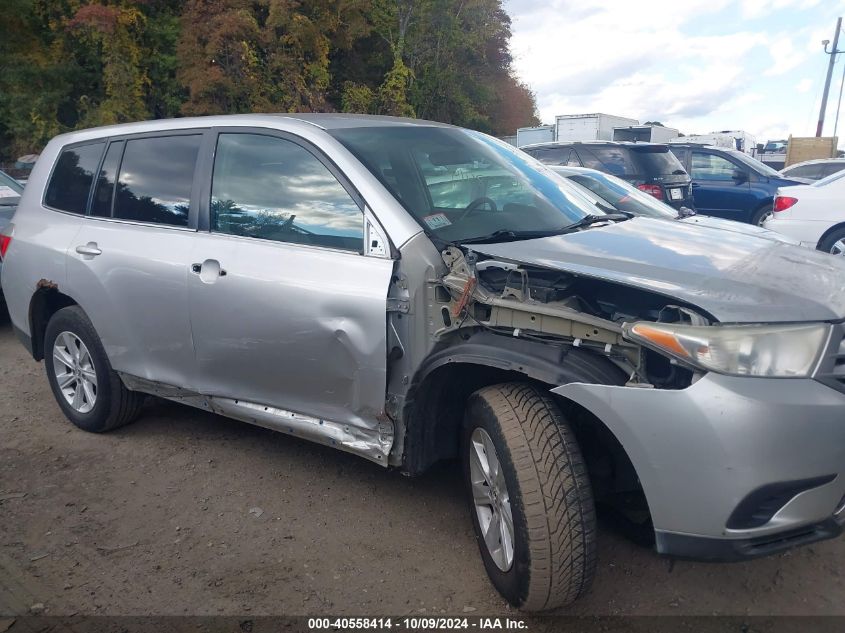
<point x="740" y="175"/>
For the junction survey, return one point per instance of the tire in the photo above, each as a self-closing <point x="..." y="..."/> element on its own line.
<point x="761" y="215"/>
<point x="548" y="493"/>
<point x="112" y="404"/>
<point x="834" y="242"/>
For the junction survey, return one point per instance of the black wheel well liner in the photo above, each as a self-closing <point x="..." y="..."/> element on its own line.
<point x="434" y="406"/>
<point x="45" y="302"/>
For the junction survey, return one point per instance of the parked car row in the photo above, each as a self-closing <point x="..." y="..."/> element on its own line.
<point x="411" y="292"/>
<point x="713" y="180"/>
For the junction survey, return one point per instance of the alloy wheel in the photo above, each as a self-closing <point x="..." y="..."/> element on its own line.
<point x="74" y="370"/>
<point x="838" y="247"/>
<point x="491" y="499"/>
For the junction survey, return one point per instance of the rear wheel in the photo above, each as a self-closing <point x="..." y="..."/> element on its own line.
<point x="834" y="243"/>
<point x="530" y="497"/>
<point x="761" y="215"/>
<point x="89" y="392"/>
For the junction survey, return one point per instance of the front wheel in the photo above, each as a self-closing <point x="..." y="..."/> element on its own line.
<point x="530" y="497"/>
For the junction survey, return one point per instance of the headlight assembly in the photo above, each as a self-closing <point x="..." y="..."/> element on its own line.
<point x="775" y="351"/>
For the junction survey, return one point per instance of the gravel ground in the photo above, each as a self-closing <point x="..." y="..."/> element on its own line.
<point x="184" y="512"/>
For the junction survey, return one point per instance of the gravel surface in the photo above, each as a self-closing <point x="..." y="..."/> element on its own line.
<point x="184" y="512"/>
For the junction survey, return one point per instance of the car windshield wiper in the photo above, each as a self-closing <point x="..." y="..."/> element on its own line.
<point x="587" y="220"/>
<point x="509" y="235"/>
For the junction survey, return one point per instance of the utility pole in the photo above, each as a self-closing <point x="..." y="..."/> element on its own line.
<point x="832" y="54"/>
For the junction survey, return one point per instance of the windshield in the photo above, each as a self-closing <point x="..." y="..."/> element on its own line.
<point x="459" y="184"/>
<point x="622" y="196"/>
<point x="756" y="165"/>
<point x="10" y="190"/>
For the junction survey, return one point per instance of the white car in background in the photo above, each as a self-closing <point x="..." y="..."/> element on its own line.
<point x="811" y="171"/>
<point x="812" y="214"/>
<point x="612" y="194"/>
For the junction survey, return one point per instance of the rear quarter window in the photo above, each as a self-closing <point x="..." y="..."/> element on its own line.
<point x="70" y="182"/>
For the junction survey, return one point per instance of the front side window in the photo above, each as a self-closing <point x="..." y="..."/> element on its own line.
<point x="459" y="184"/>
<point x="72" y="176"/>
<point x="711" y="167"/>
<point x="156" y="176"/>
<point x="274" y="189"/>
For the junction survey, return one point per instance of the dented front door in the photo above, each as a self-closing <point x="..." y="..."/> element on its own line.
<point x="285" y="310"/>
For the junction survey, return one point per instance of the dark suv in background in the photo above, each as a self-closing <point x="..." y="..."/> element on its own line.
<point x="650" y="167"/>
<point x="730" y="184"/>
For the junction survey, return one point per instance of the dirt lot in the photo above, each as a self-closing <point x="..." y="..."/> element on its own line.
<point x="189" y="513"/>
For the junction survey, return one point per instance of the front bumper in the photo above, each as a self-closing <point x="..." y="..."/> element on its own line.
<point x="700" y="451"/>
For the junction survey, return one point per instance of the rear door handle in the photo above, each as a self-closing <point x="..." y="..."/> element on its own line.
<point x="89" y="250"/>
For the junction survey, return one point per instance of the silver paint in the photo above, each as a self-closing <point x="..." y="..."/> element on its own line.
<point x="698" y="451"/>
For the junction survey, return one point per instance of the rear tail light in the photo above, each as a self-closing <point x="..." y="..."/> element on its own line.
<point x="653" y="190"/>
<point x="5" y="240"/>
<point x="782" y="203"/>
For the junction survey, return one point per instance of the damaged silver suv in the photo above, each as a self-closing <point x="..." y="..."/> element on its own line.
<point x="412" y="292"/>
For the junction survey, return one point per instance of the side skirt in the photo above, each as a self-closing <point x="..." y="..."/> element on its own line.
<point x="373" y="445"/>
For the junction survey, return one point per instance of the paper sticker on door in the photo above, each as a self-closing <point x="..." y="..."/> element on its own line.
<point x="436" y="221"/>
<point x="675" y="194"/>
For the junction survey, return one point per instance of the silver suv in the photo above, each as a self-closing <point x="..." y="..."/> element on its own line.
<point x="412" y="292"/>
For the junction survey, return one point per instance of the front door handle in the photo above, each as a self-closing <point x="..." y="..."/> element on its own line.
<point x="89" y="250"/>
<point x="209" y="270"/>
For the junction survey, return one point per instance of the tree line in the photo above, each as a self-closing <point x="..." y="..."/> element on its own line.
<point x="70" y="64"/>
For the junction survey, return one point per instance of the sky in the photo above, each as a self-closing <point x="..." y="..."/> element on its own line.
<point x="696" y="65"/>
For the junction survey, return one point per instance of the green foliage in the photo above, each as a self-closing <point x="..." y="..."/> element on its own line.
<point x="357" y="98"/>
<point x="76" y="63"/>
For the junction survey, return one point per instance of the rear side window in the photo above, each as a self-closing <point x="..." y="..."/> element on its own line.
<point x="613" y="160"/>
<point x="552" y="155"/>
<point x="156" y="176"/>
<point x="104" y="191"/>
<point x="657" y="161"/>
<point x="831" y="168"/>
<point x="72" y="176"/>
<point x="274" y="189"/>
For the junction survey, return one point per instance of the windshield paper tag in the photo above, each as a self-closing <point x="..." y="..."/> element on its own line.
<point x="436" y="221"/>
<point x="8" y="192"/>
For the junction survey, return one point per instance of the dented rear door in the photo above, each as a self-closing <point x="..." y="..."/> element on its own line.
<point x="286" y="311"/>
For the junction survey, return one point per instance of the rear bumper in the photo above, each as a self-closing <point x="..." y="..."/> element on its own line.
<point x="807" y="232"/>
<point x="701" y="452"/>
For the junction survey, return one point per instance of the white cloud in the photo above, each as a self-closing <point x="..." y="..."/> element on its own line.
<point x="698" y="65"/>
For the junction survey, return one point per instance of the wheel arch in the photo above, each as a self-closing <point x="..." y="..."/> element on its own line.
<point x="830" y="231"/>
<point x="44" y="303"/>
<point x="434" y="406"/>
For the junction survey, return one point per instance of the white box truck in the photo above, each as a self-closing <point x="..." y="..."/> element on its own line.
<point x="589" y="127"/>
<point x="539" y="134"/>
<point x="729" y="139"/>
<point x="644" y="133"/>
